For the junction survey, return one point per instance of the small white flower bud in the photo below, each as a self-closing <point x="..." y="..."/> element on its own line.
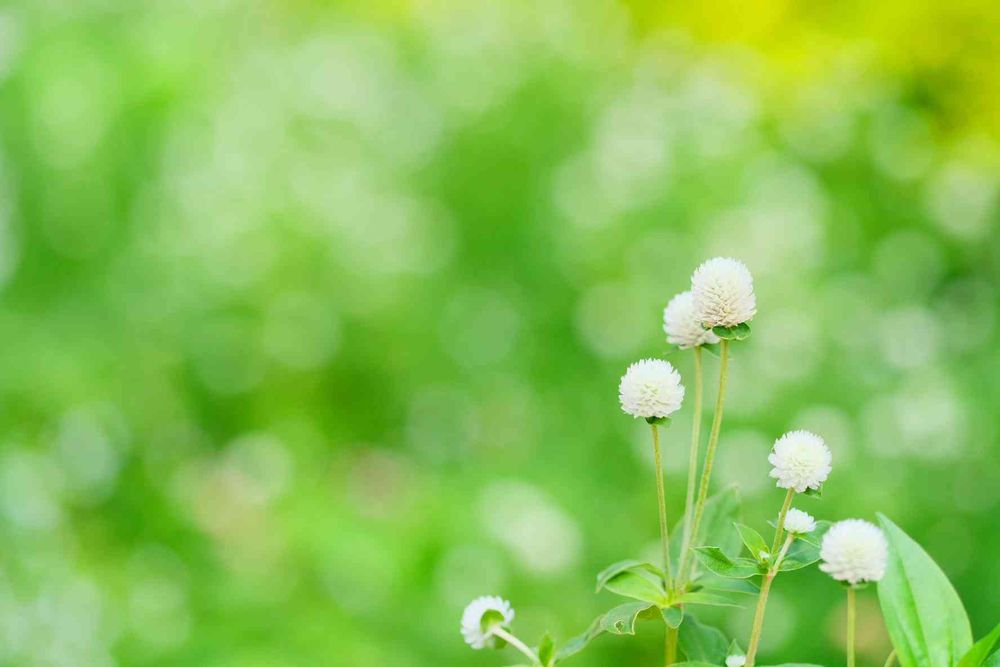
<point x="736" y="661"/>
<point x="799" y="522"/>
<point x="476" y="633"/>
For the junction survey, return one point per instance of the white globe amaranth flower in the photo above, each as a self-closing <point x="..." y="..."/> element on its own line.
<point x="683" y="329"/>
<point x="722" y="293"/>
<point x="480" y="616"/>
<point x="854" y="551"/>
<point x="651" y="388"/>
<point x="801" y="461"/>
<point x="799" y="522"/>
<point x="736" y="661"/>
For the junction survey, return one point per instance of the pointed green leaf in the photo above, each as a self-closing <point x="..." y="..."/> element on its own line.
<point x="735" y="648"/>
<point x="981" y="649"/>
<point x="715" y="560"/>
<point x="708" y="598"/>
<point x="801" y="554"/>
<point x="993" y="660"/>
<point x="619" y="620"/>
<point x="699" y="641"/>
<point x="755" y="544"/>
<point x="639" y="585"/>
<point x="721" y="511"/>
<point x="694" y="664"/>
<point x="546" y="650"/>
<point x="716" y="584"/>
<point x="673" y="616"/>
<point x="624" y="566"/>
<point x="925" y="618"/>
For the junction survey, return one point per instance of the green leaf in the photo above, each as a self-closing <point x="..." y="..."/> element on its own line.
<point x="619" y="621"/>
<point x="673" y="616"/>
<point x="708" y="598"/>
<point x="795" y="664"/>
<point x="735" y="648"/>
<point x="925" y="618"/>
<point x="694" y="664"/>
<point x="993" y="661"/>
<point x="755" y="544"/>
<point x="715" y="560"/>
<point x="699" y="641"/>
<point x="977" y="654"/>
<point x="624" y="566"/>
<point x="640" y="585"/>
<point x="739" y="332"/>
<point x="546" y="650"/>
<point x="716" y="584"/>
<point x="801" y="554"/>
<point x="721" y="511"/>
<point x="813" y="493"/>
<point x="712" y="349"/>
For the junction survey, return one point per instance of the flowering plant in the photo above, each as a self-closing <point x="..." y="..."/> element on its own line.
<point x="719" y="560"/>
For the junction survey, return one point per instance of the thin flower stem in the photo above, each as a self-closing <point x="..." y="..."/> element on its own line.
<point x="851" y="622"/>
<point x="713" y="441"/>
<point x="670" y="646"/>
<point x="765" y="588"/>
<point x="692" y="462"/>
<point x="780" y="529"/>
<point x="516" y="643"/>
<point x="662" y="502"/>
<point x="891" y="660"/>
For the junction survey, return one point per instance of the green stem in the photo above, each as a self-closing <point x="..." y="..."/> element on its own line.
<point x="758" y="618"/>
<point x="713" y="441"/>
<point x="670" y="646"/>
<point x="851" y="622"/>
<point x="692" y="461"/>
<point x="891" y="660"/>
<point x="516" y="643"/>
<point x="662" y="503"/>
<point x="780" y="529"/>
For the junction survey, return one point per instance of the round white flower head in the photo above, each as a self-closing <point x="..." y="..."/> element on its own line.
<point x="854" y="551"/>
<point x="722" y="289"/>
<point x="799" y="522"/>
<point x="481" y="616"/>
<point x="651" y="388"/>
<point x="681" y="326"/>
<point x="736" y="661"/>
<point x="801" y="461"/>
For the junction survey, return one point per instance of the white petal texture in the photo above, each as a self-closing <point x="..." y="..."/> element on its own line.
<point x="854" y="551"/>
<point x="801" y="461"/>
<point x="473" y="632"/>
<point x="722" y="292"/>
<point x="736" y="661"/>
<point x="799" y="522"/>
<point x="651" y="388"/>
<point x="682" y="327"/>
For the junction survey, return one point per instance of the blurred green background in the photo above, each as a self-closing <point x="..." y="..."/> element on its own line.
<point x="312" y="315"/>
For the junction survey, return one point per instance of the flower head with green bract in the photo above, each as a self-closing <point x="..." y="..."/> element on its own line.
<point x="722" y="293"/>
<point x="651" y="388"/>
<point x="683" y="329"/>
<point x="801" y="461"/>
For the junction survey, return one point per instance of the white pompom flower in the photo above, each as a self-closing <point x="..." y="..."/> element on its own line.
<point x="736" y="661"/>
<point x="483" y="614"/>
<point x="799" y="522"/>
<point x="854" y="551"/>
<point x="722" y="292"/>
<point x="683" y="329"/>
<point x="651" y="388"/>
<point x="801" y="461"/>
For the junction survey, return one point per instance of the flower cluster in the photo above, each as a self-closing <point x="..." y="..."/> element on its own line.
<point x="717" y="308"/>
